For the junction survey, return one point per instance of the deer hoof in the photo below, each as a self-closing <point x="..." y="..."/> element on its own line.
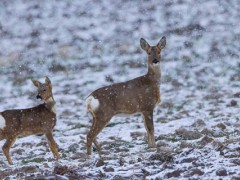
<point x="89" y="152"/>
<point x="152" y="145"/>
<point x="57" y="157"/>
<point x="10" y="162"/>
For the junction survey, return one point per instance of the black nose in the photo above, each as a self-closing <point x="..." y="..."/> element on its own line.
<point x="155" y="61"/>
<point x="38" y="97"/>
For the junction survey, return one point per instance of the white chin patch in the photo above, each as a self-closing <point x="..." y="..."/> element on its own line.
<point x="156" y="64"/>
<point x="2" y="122"/>
<point x="50" y="100"/>
<point x="92" y="103"/>
<point x="54" y="109"/>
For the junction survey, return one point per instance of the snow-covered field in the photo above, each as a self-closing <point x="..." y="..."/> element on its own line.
<point x="84" y="45"/>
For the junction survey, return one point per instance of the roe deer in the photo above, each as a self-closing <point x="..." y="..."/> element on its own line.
<point x="37" y="120"/>
<point x="139" y="95"/>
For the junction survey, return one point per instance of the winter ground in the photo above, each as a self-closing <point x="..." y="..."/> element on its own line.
<point x="84" y="45"/>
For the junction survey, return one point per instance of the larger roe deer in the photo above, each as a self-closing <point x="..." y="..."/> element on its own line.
<point x="139" y="95"/>
<point x="37" y="120"/>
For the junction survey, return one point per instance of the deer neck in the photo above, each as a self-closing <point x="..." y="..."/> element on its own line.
<point x="154" y="74"/>
<point x="50" y="104"/>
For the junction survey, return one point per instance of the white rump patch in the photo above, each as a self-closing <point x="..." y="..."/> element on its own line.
<point x="2" y="122"/>
<point x="92" y="103"/>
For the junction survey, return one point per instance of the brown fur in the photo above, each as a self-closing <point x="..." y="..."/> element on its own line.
<point x="37" y="120"/>
<point x="139" y="95"/>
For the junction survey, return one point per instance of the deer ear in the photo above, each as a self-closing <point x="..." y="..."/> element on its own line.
<point x="144" y="45"/>
<point x="47" y="81"/>
<point x="162" y="43"/>
<point x="36" y="83"/>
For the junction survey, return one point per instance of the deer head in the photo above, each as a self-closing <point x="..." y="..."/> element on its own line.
<point x="154" y="54"/>
<point x="44" y="89"/>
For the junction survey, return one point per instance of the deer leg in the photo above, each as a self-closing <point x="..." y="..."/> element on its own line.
<point x="98" y="146"/>
<point x="96" y="128"/>
<point x="148" y="122"/>
<point x="91" y="137"/>
<point x="1" y="135"/>
<point x="52" y="144"/>
<point x="6" y="148"/>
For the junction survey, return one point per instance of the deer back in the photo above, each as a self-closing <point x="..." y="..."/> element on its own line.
<point x="34" y="120"/>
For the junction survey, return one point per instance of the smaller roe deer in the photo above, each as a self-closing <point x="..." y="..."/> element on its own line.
<point x="139" y="95"/>
<point x="37" y="120"/>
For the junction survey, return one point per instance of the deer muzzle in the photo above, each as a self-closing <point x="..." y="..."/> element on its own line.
<point x="155" y="61"/>
<point x="38" y="97"/>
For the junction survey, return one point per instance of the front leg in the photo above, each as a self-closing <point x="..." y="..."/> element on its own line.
<point x="52" y="144"/>
<point x="148" y="122"/>
<point x="6" y="148"/>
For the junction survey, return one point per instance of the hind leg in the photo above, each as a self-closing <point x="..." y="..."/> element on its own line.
<point x="98" y="146"/>
<point x="1" y="135"/>
<point x="6" y="147"/>
<point x="96" y="128"/>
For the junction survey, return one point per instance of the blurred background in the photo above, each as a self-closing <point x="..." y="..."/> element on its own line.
<point x="50" y="37"/>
